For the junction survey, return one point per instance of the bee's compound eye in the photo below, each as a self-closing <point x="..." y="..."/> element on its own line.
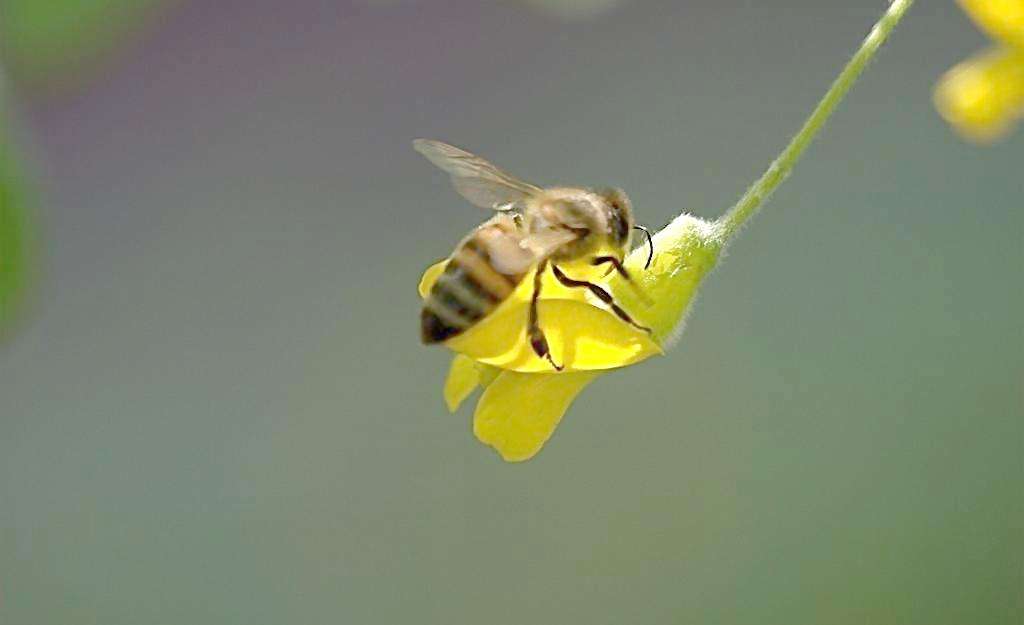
<point x="620" y="222"/>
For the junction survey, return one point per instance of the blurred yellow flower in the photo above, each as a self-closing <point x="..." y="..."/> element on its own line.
<point x="983" y="96"/>
<point x="523" y="398"/>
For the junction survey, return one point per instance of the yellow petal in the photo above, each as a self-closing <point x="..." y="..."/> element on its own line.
<point x="581" y="337"/>
<point x="487" y="374"/>
<point x="463" y="378"/>
<point x="983" y="96"/>
<point x="1002" y="19"/>
<point x="430" y="276"/>
<point x="519" y="411"/>
<point x="685" y="251"/>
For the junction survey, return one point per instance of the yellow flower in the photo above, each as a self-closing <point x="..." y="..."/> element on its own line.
<point x="983" y="96"/>
<point x="524" y="398"/>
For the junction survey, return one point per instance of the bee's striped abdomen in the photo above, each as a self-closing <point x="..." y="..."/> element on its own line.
<point x="466" y="292"/>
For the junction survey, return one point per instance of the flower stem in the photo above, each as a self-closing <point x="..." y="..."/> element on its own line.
<point x="729" y="223"/>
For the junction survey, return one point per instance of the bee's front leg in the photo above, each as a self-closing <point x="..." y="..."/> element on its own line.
<point x="537" y="340"/>
<point x="615" y="263"/>
<point x="601" y="294"/>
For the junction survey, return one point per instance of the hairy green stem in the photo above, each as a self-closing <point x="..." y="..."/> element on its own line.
<point x="729" y="223"/>
<point x="688" y="248"/>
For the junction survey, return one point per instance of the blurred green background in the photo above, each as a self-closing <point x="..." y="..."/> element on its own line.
<point x="214" y="407"/>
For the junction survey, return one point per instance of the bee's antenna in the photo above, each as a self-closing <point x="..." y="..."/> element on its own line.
<point x="650" y="244"/>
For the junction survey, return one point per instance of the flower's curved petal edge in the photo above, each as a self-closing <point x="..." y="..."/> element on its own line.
<point x="430" y="276"/>
<point x="580" y="334"/>
<point x="487" y="374"/>
<point x="685" y="251"/>
<point x="1001" y="19"/>
<point x="518" y="412"/>
<point x="581" y="337"/>
<point x="983" y="96"/>
<point x="464" y="376"/>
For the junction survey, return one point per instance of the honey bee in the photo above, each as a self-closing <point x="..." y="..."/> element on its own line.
<point x="534" y="229"/>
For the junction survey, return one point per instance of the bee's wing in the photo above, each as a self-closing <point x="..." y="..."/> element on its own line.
<point x="530" y="249"/>
<point x="475" y="179"/>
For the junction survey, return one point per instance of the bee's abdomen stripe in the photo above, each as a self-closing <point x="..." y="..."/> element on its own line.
<point x="448" y="294"/>
<point x="467" y="281"/>
<point x="468" y="290"/>
<point x="489" y="279"/>
<point x="443" y="308"/>
<point x="451" y="307"/>
<point x="456" y="304"/>
<point x="433" y="329"/>
<point x="461" y="287"/>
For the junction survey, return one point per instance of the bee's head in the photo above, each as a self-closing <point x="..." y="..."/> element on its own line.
<point x="620" y="217"/>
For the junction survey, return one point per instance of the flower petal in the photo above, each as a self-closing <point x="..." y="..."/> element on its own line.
<point x="430" y="276"/>
<point x="487" y="374"/>
<point x="686" y="250"/>
<point x="463" y="378"/>
<point x="581" y="337"/>
<point x="1001" y="19"/>
<point x="981" y="97"/>
<point x="519" y="411"/>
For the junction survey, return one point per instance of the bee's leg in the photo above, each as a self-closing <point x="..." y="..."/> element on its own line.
<point x="601" y="294"/>
<point x="537" y="340"/>
<point x="617" y="265"/>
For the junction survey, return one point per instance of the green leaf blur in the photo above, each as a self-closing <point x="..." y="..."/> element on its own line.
<point x="13" y="230"/>
<point x="43" y="41"/>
